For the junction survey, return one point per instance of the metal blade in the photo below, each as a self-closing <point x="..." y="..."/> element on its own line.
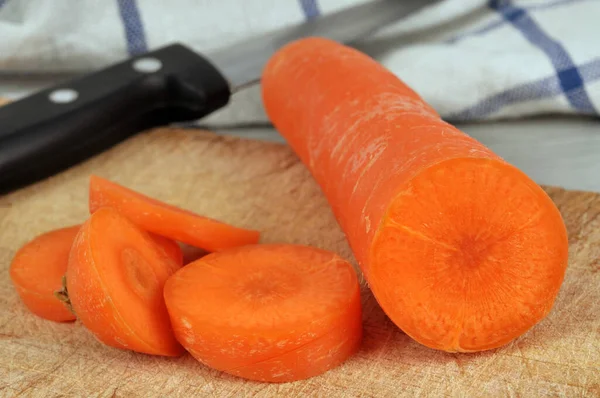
<point x="242" y="63"/>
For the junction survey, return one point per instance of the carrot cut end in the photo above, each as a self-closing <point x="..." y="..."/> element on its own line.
<point x="470" y="255"/>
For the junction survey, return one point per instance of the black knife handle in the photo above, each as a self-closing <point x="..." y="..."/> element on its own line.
<point x="58" y="127"/>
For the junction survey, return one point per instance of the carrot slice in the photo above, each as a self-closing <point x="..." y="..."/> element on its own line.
<point x="39" y="266"/>
<point x="115" y="280"/>
<point x="37" y="271"/>
<point x="272" y="312"/>
<point x="166" y="220"/>
<point x="463" y="251"/>
<point x="170" y="248"/>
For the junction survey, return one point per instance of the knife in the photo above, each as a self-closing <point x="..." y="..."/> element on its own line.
<point x="63" y="125"/>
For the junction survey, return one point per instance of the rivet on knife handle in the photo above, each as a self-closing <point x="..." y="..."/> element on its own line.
<point x="61" y="126"/>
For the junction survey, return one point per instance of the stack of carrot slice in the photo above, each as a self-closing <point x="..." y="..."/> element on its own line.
<point x="264" y="312"/>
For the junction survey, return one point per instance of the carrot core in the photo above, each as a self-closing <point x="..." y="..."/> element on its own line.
<point x="139" y="272"/>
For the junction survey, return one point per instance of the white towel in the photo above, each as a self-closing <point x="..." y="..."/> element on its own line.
<point x="470" y="59"/>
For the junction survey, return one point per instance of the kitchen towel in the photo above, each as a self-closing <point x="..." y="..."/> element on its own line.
<point x="471" y="59"/>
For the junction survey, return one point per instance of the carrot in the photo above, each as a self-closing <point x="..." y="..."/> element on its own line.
<point x="169" y="247"/>
<point x="462" y="250"/>
<point x="39" y="266"/>
<point x="166" y="220"/>
<point x="37" y="270"/>
<point x="271" y="313"/>
<point x="115" y="279"/>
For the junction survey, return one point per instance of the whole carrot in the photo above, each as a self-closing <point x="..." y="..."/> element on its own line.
<point x="462" y="250"/>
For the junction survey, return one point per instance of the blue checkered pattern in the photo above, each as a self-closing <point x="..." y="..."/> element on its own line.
<point x="134" y="27"/>
<point x="500" y="22"/>
<point x="310" y="8"/>
<point x="470" y="59"/>
<point x="569" y="79"/>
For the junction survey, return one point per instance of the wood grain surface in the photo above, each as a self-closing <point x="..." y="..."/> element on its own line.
<point x="262" y="185"/>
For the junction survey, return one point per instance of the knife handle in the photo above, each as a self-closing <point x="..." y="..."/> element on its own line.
<point x="56" y="128"/>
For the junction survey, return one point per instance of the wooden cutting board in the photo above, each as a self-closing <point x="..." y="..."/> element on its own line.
<point x="262" y="185"/>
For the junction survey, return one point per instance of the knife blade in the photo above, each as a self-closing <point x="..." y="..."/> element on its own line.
<point x="344" y="26"/>
<point x="63" y="125"/>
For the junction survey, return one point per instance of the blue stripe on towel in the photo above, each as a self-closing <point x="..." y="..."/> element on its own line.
<point x="570" y="79"/>
<point x="496" y="23"/>
<point x="310" y="8"/>
<point x="538" y="89"/>
<point x="134" y="28"/>
<point x="2" y="2"/>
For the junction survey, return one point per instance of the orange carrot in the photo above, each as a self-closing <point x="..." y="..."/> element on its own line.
<point x="462" y="250"/>
<point x="39" y="266"/>
<point x="115" y="280"/>
<point x="267" y="312"/>
<point x="167" y="220"/>
<point x="37" y="271"/>
<point x="170" y="248"/>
